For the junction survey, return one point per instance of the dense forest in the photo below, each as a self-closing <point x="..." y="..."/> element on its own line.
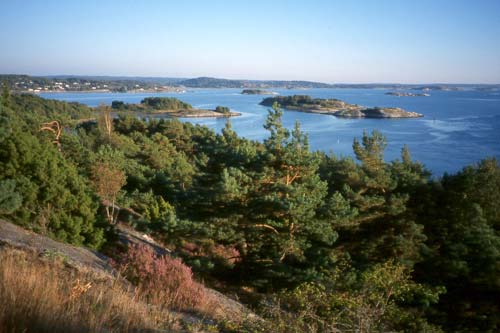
<point x="152" y="104"/>
<point x="299" y="101"/>
<point x="305" y="238"/>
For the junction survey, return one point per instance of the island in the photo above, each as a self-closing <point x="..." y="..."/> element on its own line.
<point x="336" y="107"/>
<point x="172" y="107"/>
<point x="406" y="94"/>
<point x="257" y="92"/>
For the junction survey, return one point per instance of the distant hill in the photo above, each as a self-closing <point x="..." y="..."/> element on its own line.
<point x="27" y="83"/>
<point x="210" y="82"/>
<point x="80" y="83"/>
<point x="152" y="79"/>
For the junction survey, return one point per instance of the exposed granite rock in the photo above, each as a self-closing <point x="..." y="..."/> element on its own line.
<point x="336" y="107"/>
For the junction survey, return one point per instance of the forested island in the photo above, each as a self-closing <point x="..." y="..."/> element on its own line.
<point x="336" y="107"/>
<point x="309" y="241"/>
<point x="257" y="92"/>
<point x="172" y="107"/>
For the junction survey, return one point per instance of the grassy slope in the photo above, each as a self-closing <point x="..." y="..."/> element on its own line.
<point x="47" y="286"/>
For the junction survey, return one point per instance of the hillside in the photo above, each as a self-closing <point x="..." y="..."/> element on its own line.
<point x="210" y="82"/>
<point x="81" y="83"/>
<point x="94" y="266"/>
<point x="310" y="242"/>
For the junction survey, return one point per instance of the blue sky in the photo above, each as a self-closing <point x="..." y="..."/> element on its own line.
<point x="331" y="41"/>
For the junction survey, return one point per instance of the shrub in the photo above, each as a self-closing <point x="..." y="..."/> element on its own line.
<point x="375" y="304"/>
<point x="164" y="280"/>
<point x="222" y="109"/>
<point x="118" y="105"/>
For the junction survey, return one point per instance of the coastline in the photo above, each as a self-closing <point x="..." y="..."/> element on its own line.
<point x="372" y="113"/>
<point x="148" y="91"/>
<point x="194" y="113"/>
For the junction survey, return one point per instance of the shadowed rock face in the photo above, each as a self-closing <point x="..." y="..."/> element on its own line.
<point x="78" y="257"/>
<point x="336" y="107"/>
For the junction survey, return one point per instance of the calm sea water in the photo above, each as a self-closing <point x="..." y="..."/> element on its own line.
<point x="458" y="127"/>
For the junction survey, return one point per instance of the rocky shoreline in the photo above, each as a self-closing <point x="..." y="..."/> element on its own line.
<point x="176" y="90"/>
<point x="195" y="113"/>
<point x="337" y="107"/>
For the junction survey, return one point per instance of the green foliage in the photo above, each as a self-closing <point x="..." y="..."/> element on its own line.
<point x="118" y="105"/>
<point x="302" y="101"/>
<point x="36" y="110"/>
<point x="370" y="205"/>
<point x="270" y="215"/>
<point x="373" y="305"/>
<point x="151" y="104"/>
<point x="222" y="109"/>
<point x="5" y="95"/>
<point x="286" y="240"/>
<point x="55" y="198"/>
<point x="157" y="215"/>
<point x="295" y="100"/>
<point x="10" y="199"/>
<point x="460" y="215"/>
<point x="165" y="103"/>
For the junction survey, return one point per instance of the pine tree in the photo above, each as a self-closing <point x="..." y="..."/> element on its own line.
<point x="56" y="199"/>
<point x="10" y="199"/>
<point x="461" y="218"/>
<point x="369" y="206"/>
<point x="282" y="232"/>
<point x="5" y="96"/>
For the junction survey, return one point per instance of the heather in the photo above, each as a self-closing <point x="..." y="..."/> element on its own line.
<point x="161" y="279"/>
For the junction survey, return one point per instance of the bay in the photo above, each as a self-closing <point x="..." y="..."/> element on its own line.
<point x="458" y="128"/>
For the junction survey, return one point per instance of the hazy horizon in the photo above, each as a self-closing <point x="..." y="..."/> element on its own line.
<point x="244" y="79"/>
<point x="451" y="42"/>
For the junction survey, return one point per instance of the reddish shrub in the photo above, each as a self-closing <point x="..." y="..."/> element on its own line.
<point x="163" y="279"/>
<point x="229" y="253"/>
<point x="190" y="247"/>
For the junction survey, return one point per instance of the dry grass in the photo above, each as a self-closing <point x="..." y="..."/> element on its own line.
<point x="45" y="296"/>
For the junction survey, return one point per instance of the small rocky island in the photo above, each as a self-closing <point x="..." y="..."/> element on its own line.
<point x="406" y="94"/>
<point x="172" y="107"/>
<point x="336" y="107"/>
<point x="257" y="92"/>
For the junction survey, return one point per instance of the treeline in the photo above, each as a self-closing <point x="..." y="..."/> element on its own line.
<point x="295" y="100"/>
<point x="152" y="104"/>
<point x="299" y="101"/>
<point x="210" y="82"/>
<point x="344" y="244"/>
<point x="80" y="83"/>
